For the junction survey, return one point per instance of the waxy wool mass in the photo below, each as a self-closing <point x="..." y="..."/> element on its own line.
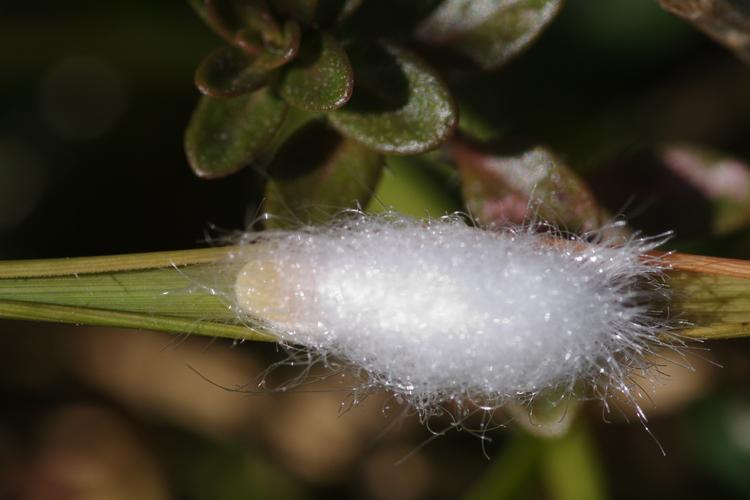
<point x="439" y="310"/>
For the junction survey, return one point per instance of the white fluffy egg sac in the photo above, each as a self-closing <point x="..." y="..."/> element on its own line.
<point x="439" y="310"/>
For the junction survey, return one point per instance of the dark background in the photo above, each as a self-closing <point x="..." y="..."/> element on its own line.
<point x="94" y="99"/>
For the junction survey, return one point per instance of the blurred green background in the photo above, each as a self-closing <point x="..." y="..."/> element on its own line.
<point x="94" y="99"/>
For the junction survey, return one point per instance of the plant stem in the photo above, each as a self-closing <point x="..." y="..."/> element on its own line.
<point x="710" y="294"/>
<point x="705" y="265"/>
<point x="191" y="291"/>
<point x="98" y="317"/>
<point x="110" y="263"/>
<point x="179" y="292"/>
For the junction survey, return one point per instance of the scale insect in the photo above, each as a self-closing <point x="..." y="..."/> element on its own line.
<point x="439" y="311"/>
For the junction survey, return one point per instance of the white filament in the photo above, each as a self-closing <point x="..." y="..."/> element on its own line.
<point x="440" y="310"/>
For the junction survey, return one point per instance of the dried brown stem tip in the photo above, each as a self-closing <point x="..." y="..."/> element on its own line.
<point x="718" y="266"/>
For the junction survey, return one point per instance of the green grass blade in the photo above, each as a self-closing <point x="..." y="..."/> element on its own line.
<point x="165" y="291"/>
<point x="194" y="286"/>
<point x="183" y="292"/>
<point x="715" y="306"/>
<point x="97" y="317"/>
<point x="110" y="263"/>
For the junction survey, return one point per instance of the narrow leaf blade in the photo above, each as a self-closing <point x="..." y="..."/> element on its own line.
<point x="95" y="317"/>
<point x="712" y="306"/>
<point x="181" y="292"/>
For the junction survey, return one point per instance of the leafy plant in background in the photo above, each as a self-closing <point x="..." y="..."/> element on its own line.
<point x="319" y="91"/>
<point x="316" y="95"/>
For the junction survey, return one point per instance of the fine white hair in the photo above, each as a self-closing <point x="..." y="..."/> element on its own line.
<point x="438" y="310"/>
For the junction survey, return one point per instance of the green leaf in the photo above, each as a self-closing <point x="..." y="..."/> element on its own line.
<point x="275" y="52"/>
<point x="225" y="135"/>
<point x="512" y="185"/>
<point x="140" y="321"/>
<point x="249" y="25"/>
<point x="399" y="105"/>
<point x="164" y="291"/>
<point x="46" y="268"/>
<point x="320" y="78"/>
<point x="713" y="306"/>
<point x="229" y="72"/>
<point x="726" y="21"/>
<point x="491" y="32"/>
<point x="316" y="174"/>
